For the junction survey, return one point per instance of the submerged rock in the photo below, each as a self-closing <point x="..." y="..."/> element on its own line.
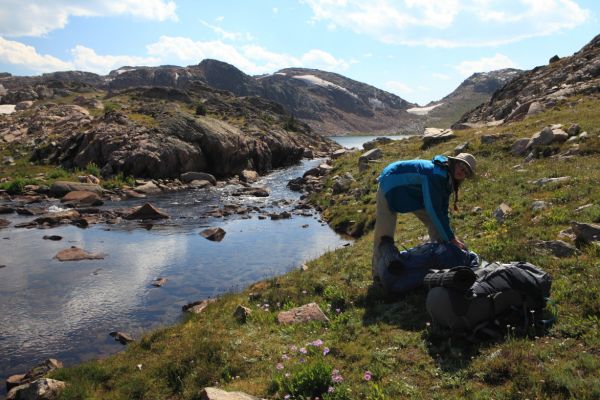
<point x="215" y="234"/>
<point x="159" y="282"/>
<point x="82" y="198"/>
<point x="77" y="254"/>
<point x="147" y="211"/>
<point x="197" y="306"/>
<point x="121" y="337"/>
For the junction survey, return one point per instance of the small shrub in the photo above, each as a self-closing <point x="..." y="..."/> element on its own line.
<point x="306" y="373"/>
<point x="57" y="173"/>
<point x="200" y="109"/>
<point x="17" y="185"/>
<point x="290" y="123"/>
<point x="92" y="169"/>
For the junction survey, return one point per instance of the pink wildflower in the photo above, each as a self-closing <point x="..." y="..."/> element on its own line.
<point x="326" y="351"/>
<point x="367" y="376"/>
<point x="279" y="366"/>
<point x="317" y="343"/>
<point x="303" y="350"/>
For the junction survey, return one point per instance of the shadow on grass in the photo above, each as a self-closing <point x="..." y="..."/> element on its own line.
<point x="408" y="312"/>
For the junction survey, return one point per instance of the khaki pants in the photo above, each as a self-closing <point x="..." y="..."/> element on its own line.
<point x="385" y="225"/>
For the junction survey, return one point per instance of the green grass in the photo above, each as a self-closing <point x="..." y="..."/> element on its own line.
<point x="391" y="338"/>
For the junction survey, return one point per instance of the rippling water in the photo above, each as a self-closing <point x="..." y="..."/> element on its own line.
<point x="65" y="310"/>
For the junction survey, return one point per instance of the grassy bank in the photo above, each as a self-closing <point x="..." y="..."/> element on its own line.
<point x="379" y="348"/>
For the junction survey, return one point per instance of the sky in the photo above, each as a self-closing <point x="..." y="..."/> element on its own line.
<point x="420" y="50"/>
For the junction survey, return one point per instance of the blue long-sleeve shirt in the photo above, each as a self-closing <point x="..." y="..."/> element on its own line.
<point x="420" y="184"/>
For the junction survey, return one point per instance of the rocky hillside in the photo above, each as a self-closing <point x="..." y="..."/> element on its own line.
<point x="542" y="87"/>
<point x="329" y="103"/>
<point x="334" y="104"/>
<point x="475" y="90"/>
<point x="157" y="132"/>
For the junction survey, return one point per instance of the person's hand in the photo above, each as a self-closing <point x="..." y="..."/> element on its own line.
<point x="458" y="243"/>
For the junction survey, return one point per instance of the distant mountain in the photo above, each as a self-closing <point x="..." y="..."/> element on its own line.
<point x="542" y="87"/>
<point x="329" y="103"/>
<point x="475" y="90"/>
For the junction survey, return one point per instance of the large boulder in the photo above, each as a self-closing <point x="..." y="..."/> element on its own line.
<point x="41" y="389"/>
<point x="305" y="313"/>
<point x="188" y="177"/>
<point x="370" y="156"/>
<point x="61" y="188"/>
<point x="434" y="136"/>
<point x="586" y="232"/>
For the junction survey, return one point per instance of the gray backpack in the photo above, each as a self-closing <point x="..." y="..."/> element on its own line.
<point x="503" y="297"/>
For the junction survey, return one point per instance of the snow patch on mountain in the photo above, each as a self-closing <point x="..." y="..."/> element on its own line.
<point x="422" y="110"/>
<point x="315" y="80"/>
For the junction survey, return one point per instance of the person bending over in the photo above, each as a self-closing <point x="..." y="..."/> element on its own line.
<point x="423" y="188"/>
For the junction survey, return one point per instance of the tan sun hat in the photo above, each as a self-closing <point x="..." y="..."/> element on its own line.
<point x="469" y="160"/>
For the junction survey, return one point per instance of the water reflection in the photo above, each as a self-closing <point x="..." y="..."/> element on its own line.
<point x="66" y="309"/>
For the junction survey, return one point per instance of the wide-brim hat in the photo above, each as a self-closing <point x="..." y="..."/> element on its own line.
<point x="469" y="160"/>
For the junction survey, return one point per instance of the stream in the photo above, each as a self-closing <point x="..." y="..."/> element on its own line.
<point x="65" y="310"/>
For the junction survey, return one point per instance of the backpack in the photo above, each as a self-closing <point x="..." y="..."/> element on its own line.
<point x="504" y="297"/>
<point x="401" y="271"/>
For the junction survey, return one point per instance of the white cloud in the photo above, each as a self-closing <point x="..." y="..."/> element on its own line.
<point x="485" y="64"/>
<point x="87" y="59"/>
<point x="442" y="77"/>
<point x="252" y="59"/>
<point x="399" y="88"/>
<point x="275" y="10"/>
<point x="19" y="54"/>
<point x="234" y="36"/>
<point x="38" y="17"/>
<point x="322" y="60"/>
<point x="450" y="23"/>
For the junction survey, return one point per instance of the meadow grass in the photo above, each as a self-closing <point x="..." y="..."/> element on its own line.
<point x="384" y="348"/>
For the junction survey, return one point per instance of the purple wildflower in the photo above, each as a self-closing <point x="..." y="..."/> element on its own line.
<point x="317" y="343"/>
<point x="330" y="389"/>
<point x="303" y="350"/>
<point x="367" y="376"/>
<point x="287" y="396"/>
<point x="337" y="310"/>
<point x="336" y="377"/>
<point x="279" y="366"/>
<point x="326" y="351"/>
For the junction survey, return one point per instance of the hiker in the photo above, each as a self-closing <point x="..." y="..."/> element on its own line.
<point x="423" y="188"/>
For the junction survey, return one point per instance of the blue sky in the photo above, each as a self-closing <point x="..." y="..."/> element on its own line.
<point x="418" y="49"/>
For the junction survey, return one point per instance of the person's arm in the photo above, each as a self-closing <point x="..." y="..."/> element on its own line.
<point x="436" y="205"/>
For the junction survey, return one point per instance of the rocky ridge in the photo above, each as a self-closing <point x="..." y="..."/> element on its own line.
<point x="542" y="88"/>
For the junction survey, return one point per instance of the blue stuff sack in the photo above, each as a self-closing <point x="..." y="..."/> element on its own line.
<point x="401" y="271"/>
